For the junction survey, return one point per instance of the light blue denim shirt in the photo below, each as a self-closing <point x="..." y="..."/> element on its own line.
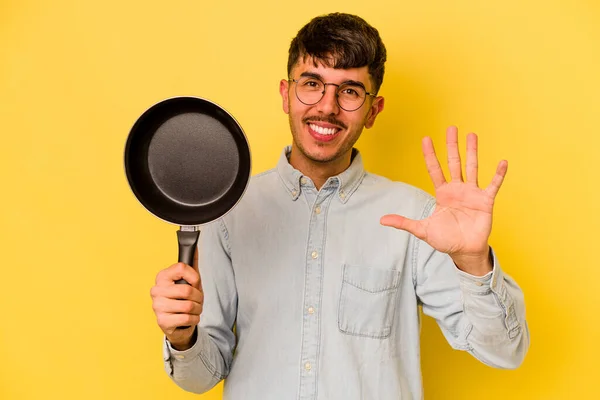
<point x="307" y="296"/>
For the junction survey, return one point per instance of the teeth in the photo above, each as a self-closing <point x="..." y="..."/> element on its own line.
<point x="323" y="131"/>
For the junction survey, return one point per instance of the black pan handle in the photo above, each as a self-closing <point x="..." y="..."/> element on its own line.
<point x="188" y="240"/>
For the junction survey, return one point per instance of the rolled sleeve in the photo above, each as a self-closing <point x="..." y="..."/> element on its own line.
<point x="484" y="315"/>
<point x="494" y="284"/>
<point x="199" y="368"/>
<point x="191" y="369"/>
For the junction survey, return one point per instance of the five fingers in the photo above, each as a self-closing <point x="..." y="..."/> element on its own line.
<point x="454" y="162"/>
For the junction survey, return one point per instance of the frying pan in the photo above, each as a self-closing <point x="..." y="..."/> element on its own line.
<point x="187" y="161"/>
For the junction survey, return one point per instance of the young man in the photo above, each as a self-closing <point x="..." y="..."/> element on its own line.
<point x="310" y="287"/>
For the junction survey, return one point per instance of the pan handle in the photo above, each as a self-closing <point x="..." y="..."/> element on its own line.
<point x="187" y="239"/>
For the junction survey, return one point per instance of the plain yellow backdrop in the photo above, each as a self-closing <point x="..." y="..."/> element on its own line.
<point x="79" y="254"/>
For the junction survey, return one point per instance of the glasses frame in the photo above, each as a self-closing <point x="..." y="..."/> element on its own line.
<point x="337" y="96"/>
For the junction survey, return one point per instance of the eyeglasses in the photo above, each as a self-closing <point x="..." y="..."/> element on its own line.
<point x="350" y="96"/>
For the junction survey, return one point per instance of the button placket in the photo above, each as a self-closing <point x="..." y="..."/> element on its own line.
<point x="312" y="293"/>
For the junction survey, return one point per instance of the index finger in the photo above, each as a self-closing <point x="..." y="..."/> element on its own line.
<point x="432" y="162"/>
<point x="176" y="272"/>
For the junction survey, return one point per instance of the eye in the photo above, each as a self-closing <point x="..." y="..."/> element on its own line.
<point x="311" y="83"/>
<point x="350" y="91"/>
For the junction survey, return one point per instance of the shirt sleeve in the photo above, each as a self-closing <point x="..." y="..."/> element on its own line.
<point x="199" y="368"/>
<point x="484" y="316"/>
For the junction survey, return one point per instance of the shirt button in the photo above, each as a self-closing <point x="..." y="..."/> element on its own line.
<point x="342" y="195"/>
<point x="318" y="210"/>
<point x="303" y="180"/>
<point x="307" y="366"/>
<point x="179" y="356"/>
<point x="478" y="283"/>
<point x="294" y="193"/>
<point x="311" y="310"/>
<point x="315" y="254"/>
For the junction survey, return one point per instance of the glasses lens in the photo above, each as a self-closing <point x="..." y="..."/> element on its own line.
<point x="351" y="97"/>
<point x="309" y="90"/>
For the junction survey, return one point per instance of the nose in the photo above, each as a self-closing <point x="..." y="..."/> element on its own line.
<point x="328" y="104"/>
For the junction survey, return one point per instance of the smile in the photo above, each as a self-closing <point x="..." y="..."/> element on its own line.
<point x="323" y="131"/>
<point x="323" y="134"/>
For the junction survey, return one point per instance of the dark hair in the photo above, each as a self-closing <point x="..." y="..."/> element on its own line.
<point x="340" y="41"/>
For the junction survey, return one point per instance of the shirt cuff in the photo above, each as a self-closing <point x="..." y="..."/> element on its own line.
<point x="493" y="282"/>
<point x="172" y="354"/>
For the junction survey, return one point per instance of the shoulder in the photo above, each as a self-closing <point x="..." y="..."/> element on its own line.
<point x="262" y="189"/>
<point x="381" y="184"/>
<point x="403" y="197"/>
<point x="264" y="181"/>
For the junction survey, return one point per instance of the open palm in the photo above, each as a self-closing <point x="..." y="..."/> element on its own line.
<point x="462" y="220"/>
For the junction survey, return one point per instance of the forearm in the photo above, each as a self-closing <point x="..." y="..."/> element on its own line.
<point x="484" y="315"/>
<point x="495" y="310"/>
<point x="207" y="361"/>
<point x="197" y="369"/>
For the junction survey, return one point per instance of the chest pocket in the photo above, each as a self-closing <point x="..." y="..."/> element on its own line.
<point x="367" y="301"/>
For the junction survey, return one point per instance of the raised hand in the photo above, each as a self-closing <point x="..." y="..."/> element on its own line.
<point x="462" y="220"/>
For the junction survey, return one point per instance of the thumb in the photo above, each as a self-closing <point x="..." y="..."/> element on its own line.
<point x="403" y="223"/>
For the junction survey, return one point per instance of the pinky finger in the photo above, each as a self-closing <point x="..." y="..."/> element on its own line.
<point x="496" y="183"/>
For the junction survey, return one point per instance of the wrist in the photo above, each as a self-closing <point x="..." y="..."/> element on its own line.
<point x="474" y="264"/>
<point x="183" y="345"/>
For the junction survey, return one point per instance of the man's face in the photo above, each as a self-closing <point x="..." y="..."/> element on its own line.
<point x="324" y="132"/>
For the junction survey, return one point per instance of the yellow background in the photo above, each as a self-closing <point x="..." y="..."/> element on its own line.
<point x="79" y="254"/>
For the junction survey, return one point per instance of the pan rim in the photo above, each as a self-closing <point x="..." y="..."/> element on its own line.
<point x="239" y="126"/>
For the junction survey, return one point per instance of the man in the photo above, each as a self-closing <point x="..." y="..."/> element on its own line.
<point x="310" y="287"/>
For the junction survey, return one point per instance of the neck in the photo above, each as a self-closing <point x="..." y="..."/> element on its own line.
<point x="319" y="172"/>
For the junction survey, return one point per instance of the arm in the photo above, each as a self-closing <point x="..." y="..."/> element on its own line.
<point x="200" y="367"/>
<point x="478" y="307"/>
<point x="484" y="316"/>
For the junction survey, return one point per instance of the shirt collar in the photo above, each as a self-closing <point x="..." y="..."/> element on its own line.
<point x="344" y="183"/>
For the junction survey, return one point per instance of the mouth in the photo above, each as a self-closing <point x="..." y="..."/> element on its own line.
<point x="322" y="131"/>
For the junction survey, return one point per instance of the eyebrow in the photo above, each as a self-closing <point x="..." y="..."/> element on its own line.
<point x="318" y="76"/>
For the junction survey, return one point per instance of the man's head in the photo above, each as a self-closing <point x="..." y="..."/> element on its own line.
<point x="340" y="41"/>
<point x="335" y="69"/>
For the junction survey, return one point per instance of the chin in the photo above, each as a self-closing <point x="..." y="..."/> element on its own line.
<point x="321" y="156"/>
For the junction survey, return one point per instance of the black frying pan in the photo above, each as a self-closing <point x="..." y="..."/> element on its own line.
<point x="187" y="161"/>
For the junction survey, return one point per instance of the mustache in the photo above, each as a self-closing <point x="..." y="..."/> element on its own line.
<point x="328" y="119"/>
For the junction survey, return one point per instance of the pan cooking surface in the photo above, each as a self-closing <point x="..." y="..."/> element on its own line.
<point x="187" y="161"/>
<point x="193" y="159"/>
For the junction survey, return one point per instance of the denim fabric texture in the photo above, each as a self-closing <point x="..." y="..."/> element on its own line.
<point x="307" y="296"/>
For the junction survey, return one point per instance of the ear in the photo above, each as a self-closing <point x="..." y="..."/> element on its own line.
<point x="374" y="110"/>
<point x="284" y="91"/>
